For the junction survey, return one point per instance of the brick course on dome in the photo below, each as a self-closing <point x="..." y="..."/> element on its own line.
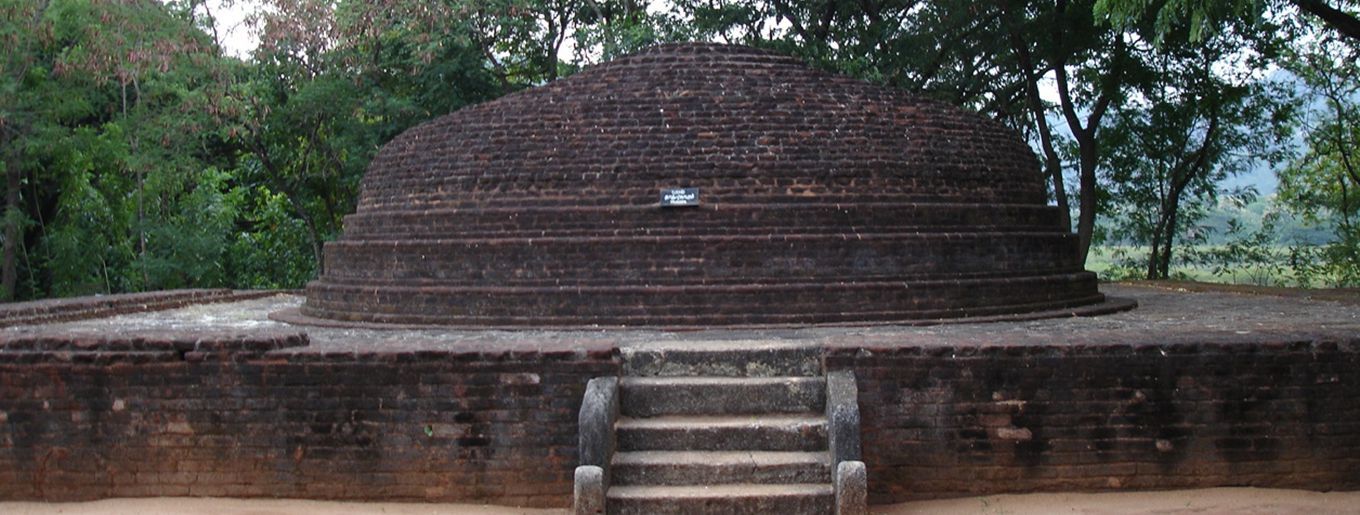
<point x="822" y="200"/>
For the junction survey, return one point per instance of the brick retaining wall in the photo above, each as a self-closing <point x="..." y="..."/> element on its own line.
<point x="224" y="416"/>
<point x="264" y="416"/>
<point x="952" y="421"/>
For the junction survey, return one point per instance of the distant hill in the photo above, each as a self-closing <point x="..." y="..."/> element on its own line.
<point x="1289" y="229"/>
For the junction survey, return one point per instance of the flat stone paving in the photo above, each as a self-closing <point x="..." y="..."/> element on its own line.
<point x="1165" y="315"/>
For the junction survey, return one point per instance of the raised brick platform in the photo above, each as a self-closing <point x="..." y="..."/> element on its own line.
<point x="822" y="199"/>
<point x="1193" y="389"/>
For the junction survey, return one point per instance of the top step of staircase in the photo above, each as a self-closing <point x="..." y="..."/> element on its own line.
<point x="696" y="395"/>
<point x="727" y="359"/>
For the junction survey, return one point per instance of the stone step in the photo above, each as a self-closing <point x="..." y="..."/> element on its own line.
<point x="726" y="359"/>
<point x="680" y="395"/>
<point x="769" y="432"/>
<point x="718" y="467"/>
<point x="728" y="498"/>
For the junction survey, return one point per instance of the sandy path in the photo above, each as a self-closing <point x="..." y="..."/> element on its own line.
<point x="1245" y="501"/>
<point x="216" y="506"/>
<point x="1237" y="501"/>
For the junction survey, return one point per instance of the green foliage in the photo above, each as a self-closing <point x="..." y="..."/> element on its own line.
<point x="1190" y="128"/>
<point x="1323" y="184"/>
<point x="1204" y="17"/>
<point x="85" y="246"/>
<point x="119" y="165"/>
<point x="187" y="248"/>
<point x="270" y="250"/>
<point x="146" y="159"/>
<point x="615" y="28"/>
<point x="1259" y="242"/>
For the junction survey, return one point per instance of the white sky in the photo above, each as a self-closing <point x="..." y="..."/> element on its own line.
<point x="237" y="38"/>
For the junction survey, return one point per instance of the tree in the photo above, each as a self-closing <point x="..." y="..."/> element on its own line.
<point x="522" y="39"/>
<point x="1092" y="68"/>
<point x="1324" y="183"/>
<point x="1208" y="16"/>
<point x="110" y="129"/>
<point x="332" y="83"/>
<point x="23" y="27"/>
<point x="1194" y="123"/>
<point x="612" y="28"/>
<point x="1322" y="42"/>
<point x="137" y="157"/>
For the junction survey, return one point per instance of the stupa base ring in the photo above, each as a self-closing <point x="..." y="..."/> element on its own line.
<point x="697" y="307"/>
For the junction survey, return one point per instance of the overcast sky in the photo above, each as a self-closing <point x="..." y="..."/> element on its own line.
<point x="237" y="39"/>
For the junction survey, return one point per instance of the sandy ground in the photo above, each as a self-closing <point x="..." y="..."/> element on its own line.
<point x="1246" y="501"/>
<point x="217" y="506"/>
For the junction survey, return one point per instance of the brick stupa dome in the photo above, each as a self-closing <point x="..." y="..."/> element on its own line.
<point x="822" y="199"/>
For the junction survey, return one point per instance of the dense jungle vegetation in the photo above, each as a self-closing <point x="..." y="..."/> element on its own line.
<point x="138" y="155"/>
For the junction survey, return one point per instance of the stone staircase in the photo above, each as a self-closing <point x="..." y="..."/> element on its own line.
<point x="721" y="429"/>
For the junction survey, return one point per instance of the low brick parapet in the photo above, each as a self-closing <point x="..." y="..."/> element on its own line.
<point x="49" y="311"/>
<point x="959" y="420"/>
<point x="205" y="416"/>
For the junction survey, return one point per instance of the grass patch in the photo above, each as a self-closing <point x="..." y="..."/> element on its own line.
<point x="1189" y="263"/>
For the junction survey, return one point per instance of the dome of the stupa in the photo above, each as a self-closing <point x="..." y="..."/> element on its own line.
<point x="820" y="199"/>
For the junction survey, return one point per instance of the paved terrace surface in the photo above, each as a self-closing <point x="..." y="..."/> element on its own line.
<point x="1167" y="314"/>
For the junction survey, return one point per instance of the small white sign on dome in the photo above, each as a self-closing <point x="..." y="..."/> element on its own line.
<point x="679" y="197"/>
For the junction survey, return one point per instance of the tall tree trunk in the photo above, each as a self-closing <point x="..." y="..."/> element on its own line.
<point x="1052" y="163"/>
<point x="1085" y="133"/>
<point x="1182" y="176"/>
<point x="141" y="188"/>
<point x="318" y="248"/>
<point x="1168" y="241"/>
<point x="1086" y="190"/>
<point x="1163" y="238"/>
<point x="1345" y="203"/>
<point x="9" y="270"/>
<point x="1153" y="254"/>
<point x="1343" y="144"/>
